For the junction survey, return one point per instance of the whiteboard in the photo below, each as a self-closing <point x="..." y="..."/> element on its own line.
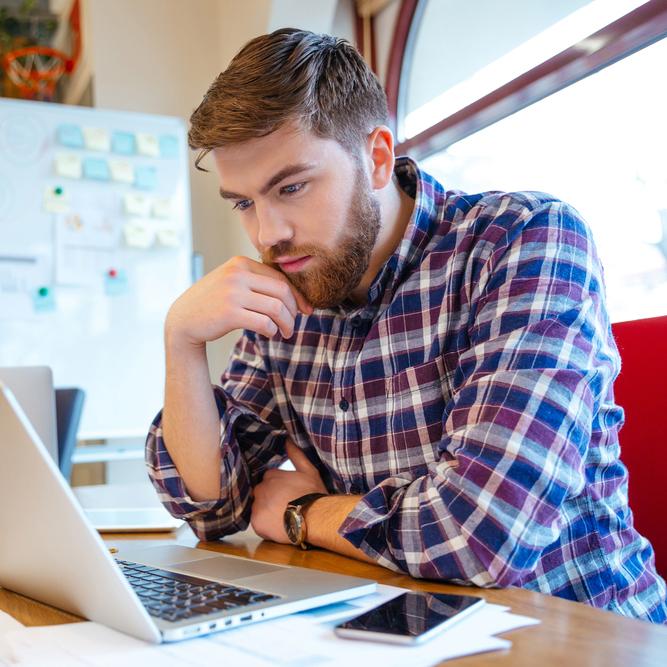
<point x="95" y="245"/>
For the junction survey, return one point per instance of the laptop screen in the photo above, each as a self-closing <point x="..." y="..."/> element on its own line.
<point x="33" y="388"/>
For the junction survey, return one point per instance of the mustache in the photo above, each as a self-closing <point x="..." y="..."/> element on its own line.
<point x="286" y="249"/>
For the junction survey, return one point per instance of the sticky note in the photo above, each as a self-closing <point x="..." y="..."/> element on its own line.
<point x="123" y="143"/>
<point x="97" y="138"/>
<point x="139" y="234"/>
<point x="96" y="169"/>
<point x="70" y="136"/>
<point x="68" y="165"/>
<point x="137" y="205"/>
<point x="56" y="199"/>
<point x="43" y="299"/>
<point x="115" y="282"/>
<point x="162" y="207"/>
<point x="169" y="237"/>
<point x="145" y="178"/>
<point x="148" y="145"/>
<point x="168" y="145"/>
<point x="122" y="171"/>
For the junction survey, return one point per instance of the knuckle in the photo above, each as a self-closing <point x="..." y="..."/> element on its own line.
<point x="285" y="291"/>
<point x="277" y="308"/>
<point x="238" y="260"/>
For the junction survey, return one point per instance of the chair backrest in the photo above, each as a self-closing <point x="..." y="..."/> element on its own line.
<point x="641" y="389"/>
<point x="69" y="404"/>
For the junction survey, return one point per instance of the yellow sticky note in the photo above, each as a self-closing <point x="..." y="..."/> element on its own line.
<point x="97" y="139"/>
<point x="162" y="207"/>
<point x="68" y="165"/>
<point x="169" y="237"/>
<point x="137" y="205"/>
<point x="139" y="234"/>
<point x="56" y="199"/>
<point x="148" y="144"/>
<point x="122" y="171"/>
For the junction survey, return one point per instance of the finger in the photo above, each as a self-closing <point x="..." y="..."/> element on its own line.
<point x="299" y="459"/>
<point x="278" y="289"/>
<point x="273" y="308"/>
<point x="259" y="323"/>
<point x="268" y="271"/>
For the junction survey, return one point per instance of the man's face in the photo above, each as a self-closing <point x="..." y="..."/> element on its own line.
<point x="307" y="207"/>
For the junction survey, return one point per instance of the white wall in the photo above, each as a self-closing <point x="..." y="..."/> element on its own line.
<point x="160" y="56"/>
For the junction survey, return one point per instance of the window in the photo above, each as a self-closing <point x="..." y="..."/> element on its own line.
<point x="561" y="97"/>
<point x="600" y="145"/>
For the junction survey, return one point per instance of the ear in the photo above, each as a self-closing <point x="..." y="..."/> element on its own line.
<point x="380" y="147"/>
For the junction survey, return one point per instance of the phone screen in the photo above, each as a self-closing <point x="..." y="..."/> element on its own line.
<point x="412" y="614"/>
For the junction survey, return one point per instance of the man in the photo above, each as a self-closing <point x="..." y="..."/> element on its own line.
<point x="437" y="366"/>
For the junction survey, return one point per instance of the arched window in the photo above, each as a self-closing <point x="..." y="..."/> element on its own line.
<point x="566" y="97"/>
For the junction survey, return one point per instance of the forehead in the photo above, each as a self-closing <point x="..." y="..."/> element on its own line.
<point x="250" y="163"/>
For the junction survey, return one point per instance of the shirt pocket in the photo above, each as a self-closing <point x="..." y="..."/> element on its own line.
<point x="416" y="401"/>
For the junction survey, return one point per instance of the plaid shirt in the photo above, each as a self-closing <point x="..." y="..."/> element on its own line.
<point x="469" y="402"/>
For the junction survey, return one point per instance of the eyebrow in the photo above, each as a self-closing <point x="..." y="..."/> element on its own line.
<point x="285" y="172"/>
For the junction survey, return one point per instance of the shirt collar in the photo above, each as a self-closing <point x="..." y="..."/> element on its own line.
<point x="418" y="232"/>
<point x="409" y="252"/>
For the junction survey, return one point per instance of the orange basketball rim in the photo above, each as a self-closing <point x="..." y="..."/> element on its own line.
<point x="35" y="70"/>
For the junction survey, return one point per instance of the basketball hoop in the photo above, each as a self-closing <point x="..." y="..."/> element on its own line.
<point x="35" y="70"/>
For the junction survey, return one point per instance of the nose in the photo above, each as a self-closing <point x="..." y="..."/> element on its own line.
<point x="272" y="228"/>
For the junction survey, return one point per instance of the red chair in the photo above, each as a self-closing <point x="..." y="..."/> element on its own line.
<point x="641" y="389"/>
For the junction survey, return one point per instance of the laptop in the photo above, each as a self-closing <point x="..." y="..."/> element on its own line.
<point x="33" y="388"/>
<point x="51" y="553"/>
<point x="109" y="507"/>
<point x="125" y="508"/>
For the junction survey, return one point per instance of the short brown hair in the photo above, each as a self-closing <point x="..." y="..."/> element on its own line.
<point x="290" y="75"/>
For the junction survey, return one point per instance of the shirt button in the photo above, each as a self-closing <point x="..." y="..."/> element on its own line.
<point x="343" y="405"/>
<point x="355" y="322"/>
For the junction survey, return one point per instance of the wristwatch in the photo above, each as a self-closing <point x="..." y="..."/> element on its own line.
<point x="295" y="522"/>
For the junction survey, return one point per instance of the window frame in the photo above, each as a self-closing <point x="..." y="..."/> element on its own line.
<point x="635" y="30"/>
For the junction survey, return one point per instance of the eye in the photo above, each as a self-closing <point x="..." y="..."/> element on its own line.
<point x="243" y="204"/>
<point x="292" y="189"/>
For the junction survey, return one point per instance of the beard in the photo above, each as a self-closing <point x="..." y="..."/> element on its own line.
<point x="338" y="272"/>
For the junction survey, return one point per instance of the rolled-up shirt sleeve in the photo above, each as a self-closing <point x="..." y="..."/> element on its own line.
<point x="517" y="428"/>
<point x="252" y="439"/>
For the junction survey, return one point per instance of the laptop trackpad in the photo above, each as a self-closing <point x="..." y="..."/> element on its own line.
<point x="224" y="568"/>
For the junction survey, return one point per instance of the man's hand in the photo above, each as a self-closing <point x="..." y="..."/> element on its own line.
<point x="279" y="487"/>
<point x="240" y="294"/>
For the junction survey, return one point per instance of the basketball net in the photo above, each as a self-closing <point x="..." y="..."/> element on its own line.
<point x="35" y="70"/>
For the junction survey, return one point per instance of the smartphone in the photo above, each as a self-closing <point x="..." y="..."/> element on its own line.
<point x="411" y="618"/>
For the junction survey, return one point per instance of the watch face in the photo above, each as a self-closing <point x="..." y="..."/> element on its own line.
<point x="294" y="526"/>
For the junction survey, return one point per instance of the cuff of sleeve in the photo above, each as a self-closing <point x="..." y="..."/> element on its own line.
<point x="166" y="480"/>
<point x="228" y="514"/>
<point x="365" y="525"/>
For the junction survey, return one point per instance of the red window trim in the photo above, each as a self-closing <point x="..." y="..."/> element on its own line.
<point x="639" y="28"/>
<point x="360" y="38"/>
<point x="397" y="67"/>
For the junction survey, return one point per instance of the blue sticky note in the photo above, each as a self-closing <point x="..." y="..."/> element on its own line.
<point x="43" y="300"/>
<point x="168" y="145"/>
<point x="70" y="136"/>
<point x="96" y="169"/>
<point x="145" y="178"/>
<point x="123" y="143"/>
<point x="115" y="282"/>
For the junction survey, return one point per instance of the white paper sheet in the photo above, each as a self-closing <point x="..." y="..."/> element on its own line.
<point x="300" y="640"/>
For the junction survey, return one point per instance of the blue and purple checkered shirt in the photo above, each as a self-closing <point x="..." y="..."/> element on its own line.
<point x="469" y="402"/>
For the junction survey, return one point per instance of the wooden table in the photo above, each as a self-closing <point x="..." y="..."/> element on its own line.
<point x="570" y="634"/>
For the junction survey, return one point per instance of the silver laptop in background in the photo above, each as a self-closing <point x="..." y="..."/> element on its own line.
<point x="51" y="553"/>
<point x="33" y="388"/>
<point x="109" y="507"/>
<point x="125" y="508"/>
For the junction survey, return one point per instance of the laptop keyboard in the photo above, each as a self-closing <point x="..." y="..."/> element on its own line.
<point x="177" y="597"/>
